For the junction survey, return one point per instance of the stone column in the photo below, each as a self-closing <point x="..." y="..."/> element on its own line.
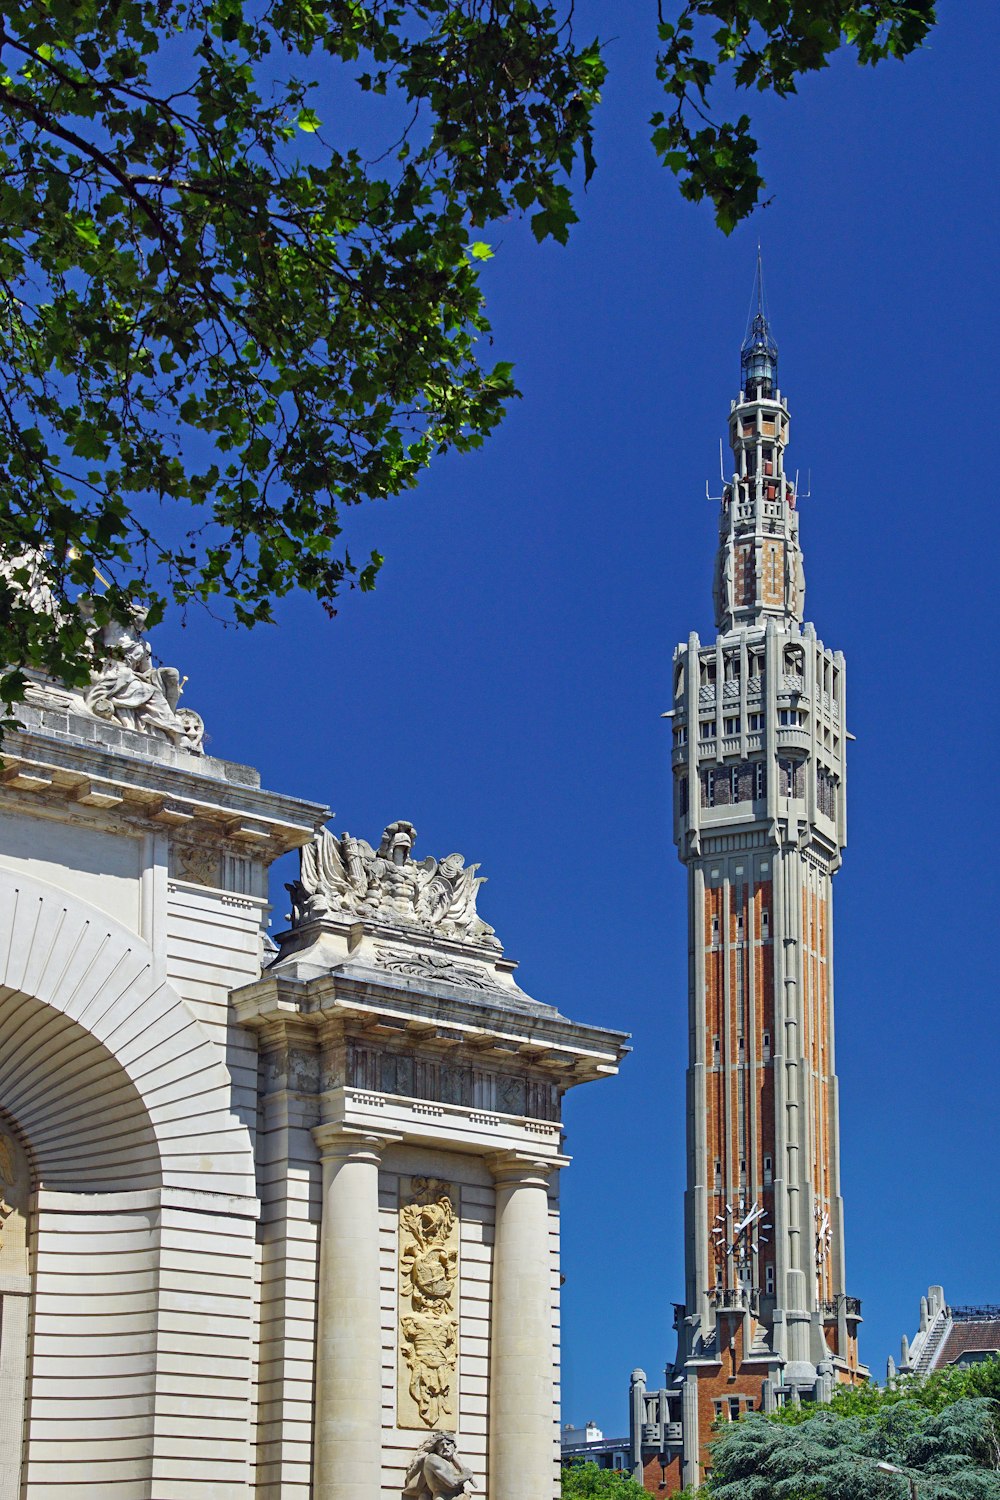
<point x="522" y="1416"/>
<point x="348" y="1421"/>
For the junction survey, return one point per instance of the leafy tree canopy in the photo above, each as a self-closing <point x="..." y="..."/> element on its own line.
<point x="239" y="261"/>
<point x="588" y="1482"/>
<point x="945" y="1431"/>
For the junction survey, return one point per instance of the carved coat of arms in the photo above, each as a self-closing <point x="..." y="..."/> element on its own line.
<point x="428" y="1326"/>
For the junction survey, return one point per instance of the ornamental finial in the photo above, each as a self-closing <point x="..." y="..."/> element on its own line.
<point x="759" y="352"/>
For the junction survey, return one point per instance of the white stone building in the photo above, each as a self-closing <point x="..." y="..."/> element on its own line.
<point x="262" y="1231"/>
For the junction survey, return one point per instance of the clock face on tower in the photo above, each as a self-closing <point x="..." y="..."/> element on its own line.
<point x="823" y="1237"/>
<point x="737" y="1233"/>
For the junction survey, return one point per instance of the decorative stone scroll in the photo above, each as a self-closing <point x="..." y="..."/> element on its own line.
<point x="428" y="1320"/>
<point x="438" y="966"/>
<point x="346" y="876"/>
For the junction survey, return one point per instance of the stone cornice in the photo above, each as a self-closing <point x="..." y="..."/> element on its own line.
<point x="170" y="790"/>
<point x="542" y="1041"/>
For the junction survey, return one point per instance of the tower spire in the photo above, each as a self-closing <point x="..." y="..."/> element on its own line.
<point x="758" y="571"/>
<point x="758" y="352"/>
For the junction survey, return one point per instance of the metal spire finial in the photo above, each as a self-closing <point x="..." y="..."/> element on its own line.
<point x="759" y="352"/>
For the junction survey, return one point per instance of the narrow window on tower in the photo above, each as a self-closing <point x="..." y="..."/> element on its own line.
<point x="765" y="925"/>
<point x="760" y="780"/>
<point x="734" y="780"/>
<point x="706" y="729"/>
<point x="768" y="1172"/>
<point x="765" y="1043"/>
<point x="715" y="1049"/>
<point x="739" y="928"/>
<point x="788" y="778"/>
<point x="682" y="796"/>
<point x="756" y="722"/>
<point x="769" y="1281"/>
<point x="718" y="1172"/>
<point x="681" y="735"/>
<point x="731" y="726"/>
<point x="715" y="929"/>
<point x="742" y="1054"/>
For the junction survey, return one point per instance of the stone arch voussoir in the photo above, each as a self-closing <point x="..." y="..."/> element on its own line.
<point x="126" y="1043"/>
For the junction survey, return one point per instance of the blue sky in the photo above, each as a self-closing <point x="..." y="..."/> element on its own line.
<point x="503" y="687"/>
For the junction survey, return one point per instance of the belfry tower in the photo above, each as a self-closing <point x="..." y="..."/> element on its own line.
<point x="759" y="740"/>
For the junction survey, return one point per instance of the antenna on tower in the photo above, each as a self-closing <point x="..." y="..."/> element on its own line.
<point x="722" y="467"/>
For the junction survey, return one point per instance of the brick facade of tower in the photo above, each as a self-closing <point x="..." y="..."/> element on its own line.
<point x="759" y="741"/>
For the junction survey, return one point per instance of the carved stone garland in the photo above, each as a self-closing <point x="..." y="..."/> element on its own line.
<point x="428" y="1323"/>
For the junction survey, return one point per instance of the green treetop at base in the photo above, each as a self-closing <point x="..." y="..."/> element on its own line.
<point x="589" y="1482"/>
<point x="944" y="1432"/>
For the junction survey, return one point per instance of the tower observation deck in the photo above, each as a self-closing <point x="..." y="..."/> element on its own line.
<point x="759" y="777"/>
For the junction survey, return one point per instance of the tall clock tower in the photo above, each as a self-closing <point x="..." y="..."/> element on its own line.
<point x="759" y="741"/>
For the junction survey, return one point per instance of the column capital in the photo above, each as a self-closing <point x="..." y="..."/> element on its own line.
<point x="338" y="1142"/>
<point x="526" y="1167"/>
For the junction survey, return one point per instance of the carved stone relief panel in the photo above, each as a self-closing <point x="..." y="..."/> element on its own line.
<point x="195" y="863"/>
<point x="14" y="1189"/>
<point x="15" y="1300"/>
<point x="428" y="1304"/>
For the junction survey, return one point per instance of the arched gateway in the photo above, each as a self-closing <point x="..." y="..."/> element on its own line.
<point x="273" y="1226"/>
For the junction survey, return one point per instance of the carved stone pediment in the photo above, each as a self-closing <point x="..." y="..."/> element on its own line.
<point x="346" y="877"/>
